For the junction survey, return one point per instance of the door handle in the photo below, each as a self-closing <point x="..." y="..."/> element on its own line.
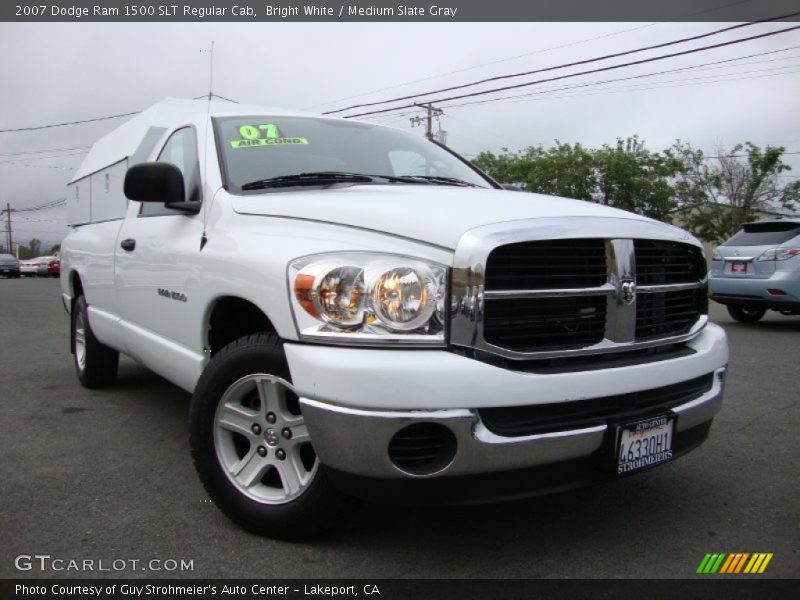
<point x="128" y="245"/>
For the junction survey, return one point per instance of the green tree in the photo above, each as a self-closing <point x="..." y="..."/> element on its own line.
<point x="35" y="247"/>
<point x="718" y="194"/>
<point x="563" y="170"/>
<point x="625" y="175"/>
<point x="632" y="178"/>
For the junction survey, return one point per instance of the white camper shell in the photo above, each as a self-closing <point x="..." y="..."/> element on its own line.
<point x="95" y="192"/>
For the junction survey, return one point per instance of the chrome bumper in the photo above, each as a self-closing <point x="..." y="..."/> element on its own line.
<point x="356" y="441"/>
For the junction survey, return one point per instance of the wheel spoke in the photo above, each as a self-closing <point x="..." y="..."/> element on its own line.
<point x="250" y="469"/>
<point x="288" y="418"/>
<point x="290" y="476"/>
<point x="238" y="419"/>
<point x="270" y="394"/>
<point x="299" y="434"/>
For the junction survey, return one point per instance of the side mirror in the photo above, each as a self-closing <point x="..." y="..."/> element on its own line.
<point x="158" y="182"/>
<point x="511" y="187"/>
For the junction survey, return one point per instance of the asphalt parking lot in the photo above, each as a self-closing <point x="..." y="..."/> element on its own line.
<point x="108" y="475"/>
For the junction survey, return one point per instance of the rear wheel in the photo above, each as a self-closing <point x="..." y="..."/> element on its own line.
<point x="251" y="446"/>
<point x="745" y="314"/>
<point x="95" y="363"/>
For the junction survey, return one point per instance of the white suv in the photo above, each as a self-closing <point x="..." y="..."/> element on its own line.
<point x="358" y="310"/>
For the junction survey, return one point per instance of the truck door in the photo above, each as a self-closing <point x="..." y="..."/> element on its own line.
<point x="156" y="269"/>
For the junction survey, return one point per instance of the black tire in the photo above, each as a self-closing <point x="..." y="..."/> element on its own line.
<point x="304" y="516"/>
<point x="97" y="367"/>
<point x="745" y="314"/>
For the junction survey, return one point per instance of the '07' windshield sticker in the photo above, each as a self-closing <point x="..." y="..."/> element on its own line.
<point x="264" y="135"/>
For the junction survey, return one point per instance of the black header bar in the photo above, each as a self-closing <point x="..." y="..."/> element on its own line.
<point x="407" y="11"/>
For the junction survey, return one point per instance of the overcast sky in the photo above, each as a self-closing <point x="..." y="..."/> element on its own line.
<point x="54" y="72"/>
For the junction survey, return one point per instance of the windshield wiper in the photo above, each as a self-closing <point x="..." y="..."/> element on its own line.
<point x="331" y="177"/>
<point x="441" y="180"/>
<point x="315" y="178"/>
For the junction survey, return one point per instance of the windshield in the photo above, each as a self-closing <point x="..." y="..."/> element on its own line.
<point x="263" y="147"/>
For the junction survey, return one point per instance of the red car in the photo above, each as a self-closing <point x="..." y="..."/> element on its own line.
<point x="54" y="267"/>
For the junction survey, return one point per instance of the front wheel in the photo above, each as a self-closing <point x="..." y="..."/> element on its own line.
<point x="744" y="314"/>
<point x="251" y="446"/>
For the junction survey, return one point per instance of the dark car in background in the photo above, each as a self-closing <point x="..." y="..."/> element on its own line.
<point x="9" y="266"/>
<point x="758" y="269"/>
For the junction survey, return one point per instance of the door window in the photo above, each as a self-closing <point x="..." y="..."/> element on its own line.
<point x="181" y="151"/>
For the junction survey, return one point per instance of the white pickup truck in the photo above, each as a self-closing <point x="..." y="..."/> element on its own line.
<point x="357" y="310"/>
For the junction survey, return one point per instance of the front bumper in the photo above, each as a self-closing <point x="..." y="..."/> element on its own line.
<point x="356" y="441"/>
<point x="498" y="486"/>
<point x="355" y="400"/>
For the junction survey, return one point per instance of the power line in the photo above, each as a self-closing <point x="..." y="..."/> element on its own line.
<point x="24" y="220"/>
<point x="37" y="231"/>
<point x="744" y="155"/>
<point x="46" y="150"/>
<point x="128" y="114"/>
<point x="46" y="206"/>
<point x="550" y="94"/>
<point x="32" y="158"/>
<point x="527" y="54"/>
<point x="486" y="64"/>
<point x="561" y="66"/>
<point x="591" y="71"/>
<point x="19" y="164"/>
<point x="547" y="91"/>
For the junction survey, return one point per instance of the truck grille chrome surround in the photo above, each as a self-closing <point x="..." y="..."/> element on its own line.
<point x="549" y="288"/>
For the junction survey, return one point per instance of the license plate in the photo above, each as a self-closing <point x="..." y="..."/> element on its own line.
<point x="739" y="267"/>
<point x="645" y="443"/>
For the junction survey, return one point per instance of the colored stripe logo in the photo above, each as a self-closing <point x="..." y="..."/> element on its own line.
<point x="734" y="562"/>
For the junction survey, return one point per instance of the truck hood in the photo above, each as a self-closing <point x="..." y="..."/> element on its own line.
<point x="432" y="214"/>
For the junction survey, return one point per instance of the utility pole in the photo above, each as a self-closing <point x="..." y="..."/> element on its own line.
<point x="9" y="239"/>
<point x="428" y="120"/>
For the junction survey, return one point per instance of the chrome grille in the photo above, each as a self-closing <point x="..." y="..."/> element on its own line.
<point x="535" y="323"/>
<point x="520" y="295"/>
<point x="669" y="313"/>
<point x="547" y="264"/>
<point x="660" y="262"/>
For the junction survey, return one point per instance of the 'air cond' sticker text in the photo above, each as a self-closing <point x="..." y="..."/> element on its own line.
<point x="264" y="135"/>
<point x="268" y="142"/>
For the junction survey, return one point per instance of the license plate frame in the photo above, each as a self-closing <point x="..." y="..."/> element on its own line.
<point x="656" y="443"/>
<point x="738" y="267"/>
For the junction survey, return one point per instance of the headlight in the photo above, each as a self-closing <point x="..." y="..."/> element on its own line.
<point x="369" y="299"/>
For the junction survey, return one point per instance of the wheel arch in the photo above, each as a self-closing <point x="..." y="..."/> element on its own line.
<point x="231" y="317"/>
